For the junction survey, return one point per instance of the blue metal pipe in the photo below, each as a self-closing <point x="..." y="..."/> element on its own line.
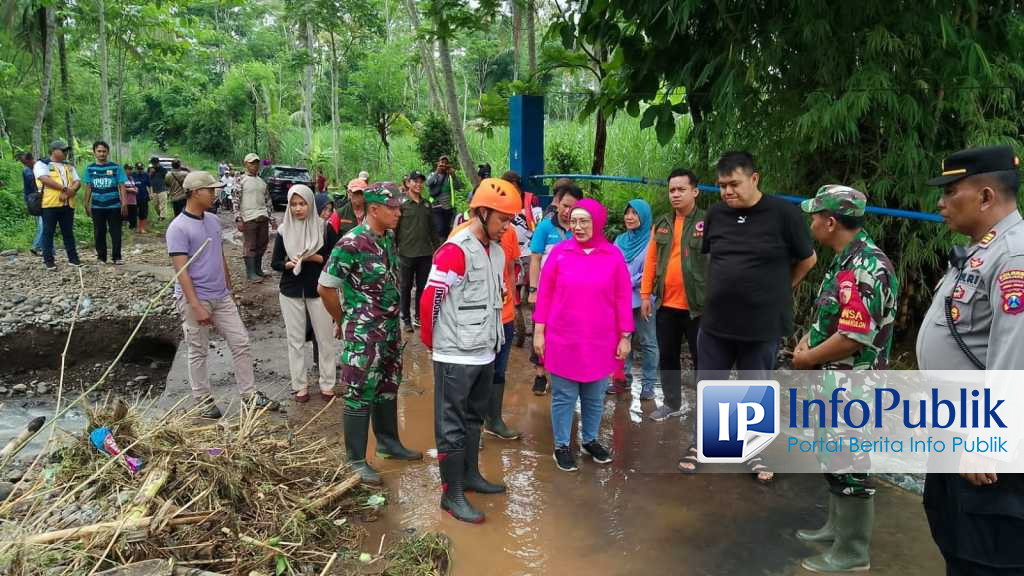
<point x="892" y="212"/>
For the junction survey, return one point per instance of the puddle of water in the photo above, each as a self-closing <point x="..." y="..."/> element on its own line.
<point x="636" y="515"/>
<point x="15" y="415"/>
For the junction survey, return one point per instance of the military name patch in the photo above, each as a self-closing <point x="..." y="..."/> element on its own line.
<point x="1011" y="287"/>
<point x="987" y="238"/>
<point x="853" y="314"/>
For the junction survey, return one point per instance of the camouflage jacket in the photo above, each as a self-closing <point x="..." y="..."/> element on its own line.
<point x="365" y="267"/>
<point x="858" y="299"/>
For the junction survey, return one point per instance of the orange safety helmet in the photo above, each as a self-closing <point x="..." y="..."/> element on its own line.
<point x="498" y="195"/>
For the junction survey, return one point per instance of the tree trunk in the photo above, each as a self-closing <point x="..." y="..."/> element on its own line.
<point x="426" y="58"/>
<point x="334" y="109"/>
<point x="307" y="93"/>
<point x="119" y="125"/>
<point x="382" y="130"/>
<point x="104" y="74"/>
<point x="453" y="111"/>
<point x="44" y="88"/>
<point x="69" y="126"/>
<point x="531" y="35"/>
<point x="600" y="142"/>
<point x="517" y="34"/>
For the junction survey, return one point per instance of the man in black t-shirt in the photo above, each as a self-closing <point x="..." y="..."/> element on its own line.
<point x="760" y="250"/>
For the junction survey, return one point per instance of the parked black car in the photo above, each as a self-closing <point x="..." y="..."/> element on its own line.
<point x="280" y="178"/>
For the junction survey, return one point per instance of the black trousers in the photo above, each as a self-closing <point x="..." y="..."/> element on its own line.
<point x="717" y="356"/>
<point x="104" y="220"/>
<point x="133" y="216"/>
<point x="412" y="272"/>
<point x="178" y="206"/>
<point x="443" y="220"/>
<point x="958" y="567"/>
<point x="672" y="325"/>
<point x="64" y="217"/>
<point x="462" y="396"/>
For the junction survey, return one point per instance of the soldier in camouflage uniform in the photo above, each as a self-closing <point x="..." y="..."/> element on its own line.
<point x="364" y="265"/>
<point x="852" y="331"/>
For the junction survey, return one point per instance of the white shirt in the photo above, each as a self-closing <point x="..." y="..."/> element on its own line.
<point x="42" y="168"/>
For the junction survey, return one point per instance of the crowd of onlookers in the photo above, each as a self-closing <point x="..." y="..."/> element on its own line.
<point x="112" y="195"/>
<point x="358" y="269"/>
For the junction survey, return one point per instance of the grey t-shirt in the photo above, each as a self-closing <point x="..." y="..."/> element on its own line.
<point x="184" y="236"/>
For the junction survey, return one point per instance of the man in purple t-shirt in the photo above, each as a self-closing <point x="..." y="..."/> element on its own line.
<point x="203" y="295"/>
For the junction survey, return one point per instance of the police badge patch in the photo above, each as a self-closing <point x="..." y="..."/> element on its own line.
<point x="1011" y="288"/>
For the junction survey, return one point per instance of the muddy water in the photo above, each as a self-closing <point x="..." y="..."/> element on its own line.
<point x="634" y="516"/>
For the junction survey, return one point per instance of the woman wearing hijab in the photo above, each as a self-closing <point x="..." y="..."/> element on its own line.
<point x="633" y="243"/>
<point x="299" y="254"/>
<point x="584" y="323"/>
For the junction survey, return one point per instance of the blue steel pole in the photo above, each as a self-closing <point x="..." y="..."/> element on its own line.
<point x="893" y="212"/>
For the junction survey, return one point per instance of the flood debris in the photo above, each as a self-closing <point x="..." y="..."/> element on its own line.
<point x="241" y="495"/>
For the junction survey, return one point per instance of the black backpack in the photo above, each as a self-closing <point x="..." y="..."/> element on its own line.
<point x="34" y="203"/>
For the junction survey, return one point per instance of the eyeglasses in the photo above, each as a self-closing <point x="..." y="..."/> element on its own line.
<point x="580" y="222"/>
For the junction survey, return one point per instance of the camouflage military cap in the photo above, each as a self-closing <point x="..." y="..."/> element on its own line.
<point x="837" y="199"/>
<point x="379" y="194"/>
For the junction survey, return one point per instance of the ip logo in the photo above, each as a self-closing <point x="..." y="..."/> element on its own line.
<point x="736" y="419"/>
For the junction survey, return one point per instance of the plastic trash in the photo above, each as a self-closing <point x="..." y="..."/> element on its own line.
<point x="103" y="440"/>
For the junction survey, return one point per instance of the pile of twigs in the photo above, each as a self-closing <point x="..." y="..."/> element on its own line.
<point x="246" y="495"/>
<point x="239" y="495"/>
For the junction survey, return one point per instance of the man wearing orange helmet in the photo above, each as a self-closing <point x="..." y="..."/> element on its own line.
<point x="461" y="314"/>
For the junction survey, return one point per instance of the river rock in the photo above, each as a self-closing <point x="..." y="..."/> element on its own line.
<point x="9" y="253"/>
<point x="4" y="390"/>
<point x="19" y="387"/>
<point x="42" y="388"/>
<point x="45" y="318"/>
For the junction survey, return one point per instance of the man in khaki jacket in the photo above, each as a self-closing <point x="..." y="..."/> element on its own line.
<point x="253" y="211"/>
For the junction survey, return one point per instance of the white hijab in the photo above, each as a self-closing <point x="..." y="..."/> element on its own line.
<point x="301" y="237"/>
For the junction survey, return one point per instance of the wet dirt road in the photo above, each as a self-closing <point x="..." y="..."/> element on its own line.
<point x="637" y="515"/>
<point x="634" y="516"/>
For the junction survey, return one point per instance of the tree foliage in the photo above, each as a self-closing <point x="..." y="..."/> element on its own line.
<point x="870" y="93"/>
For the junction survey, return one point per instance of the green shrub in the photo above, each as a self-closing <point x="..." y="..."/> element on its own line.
<point x="563" y="157"/>
<point x="435" y="140"/>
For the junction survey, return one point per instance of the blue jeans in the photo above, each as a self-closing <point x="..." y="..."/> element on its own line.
<point x="37" y="242"/>
<point x="645" y="341"/>
<point x="65" y="218"/>
<point x="501" y="360"/>
<point x="564" y="394"/>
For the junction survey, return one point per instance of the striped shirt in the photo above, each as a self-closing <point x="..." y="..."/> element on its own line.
<point x="105" y="180"/>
